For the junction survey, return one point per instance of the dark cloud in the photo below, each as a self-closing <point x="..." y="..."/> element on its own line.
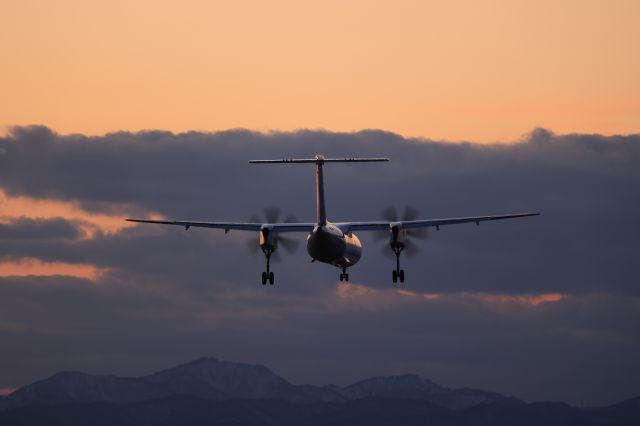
<point x="25" y="228"/>
<point x="578" y="349"/>
<point x="586" y="186"/>
<point x="171" y="295"/>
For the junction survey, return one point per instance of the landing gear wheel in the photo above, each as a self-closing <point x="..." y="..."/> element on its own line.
<point x="270" y="278"/>
<point x="264" y="278"/>
<point x="401" y="275"/>
<point x="344" y="276"/>
<point x="394" y="276"/>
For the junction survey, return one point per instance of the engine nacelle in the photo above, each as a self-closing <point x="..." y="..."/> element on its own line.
<point x="268" y="239"/>
<point x="397" y="237"/>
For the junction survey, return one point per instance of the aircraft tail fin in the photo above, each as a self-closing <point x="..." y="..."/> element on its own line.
<point x="319" y="161"/>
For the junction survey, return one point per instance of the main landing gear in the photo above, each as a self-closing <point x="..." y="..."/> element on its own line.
<point x="344" y="276"/>
<point x="398" y="274"/>
<point x="267" y="275"/>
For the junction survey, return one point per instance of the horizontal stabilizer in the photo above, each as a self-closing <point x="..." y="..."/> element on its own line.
<point x="319" y="160"/>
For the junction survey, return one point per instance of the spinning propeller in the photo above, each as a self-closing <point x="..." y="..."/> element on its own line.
<point x="401" y="239"/>
<point x="269" y="239"/>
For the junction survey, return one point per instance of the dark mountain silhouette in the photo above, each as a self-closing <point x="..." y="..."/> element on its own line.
<point x="208" y="391"/>
<point x="72" y="386"/>
<point x="213" y="379"/>
<point x="413" y="387"/>
<point x="209" y="378"/>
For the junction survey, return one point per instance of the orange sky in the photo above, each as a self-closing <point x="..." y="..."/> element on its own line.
<point x="38" y="208"/>
<point x="28" y="266"/>
<point x="476" y="70"/>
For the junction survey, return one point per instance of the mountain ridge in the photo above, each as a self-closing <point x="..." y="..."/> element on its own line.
<point x="212" y="379"/>
<point x="213" y="392"/>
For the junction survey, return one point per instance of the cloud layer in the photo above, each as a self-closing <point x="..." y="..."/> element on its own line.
<point x="545" y="307"/>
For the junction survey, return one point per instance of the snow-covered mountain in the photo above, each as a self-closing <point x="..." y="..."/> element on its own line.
<point x="73" y="386"/>
<point x="211" y="379"/>
<point x="410" y="386"/>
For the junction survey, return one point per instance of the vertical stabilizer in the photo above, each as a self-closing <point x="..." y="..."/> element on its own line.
<point x="321" y="211"/>
<point x="319" y="161"/>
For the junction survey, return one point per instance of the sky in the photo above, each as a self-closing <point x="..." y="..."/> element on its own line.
<point x="152" y="109"/>
<point x="481" y="71"/>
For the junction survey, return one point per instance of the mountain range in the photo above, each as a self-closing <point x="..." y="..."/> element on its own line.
<point x="208" y="391"/>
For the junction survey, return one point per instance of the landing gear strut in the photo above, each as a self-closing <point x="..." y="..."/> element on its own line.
<point x="344" y="276"/>
<point x="397" y="273"/>
<point x="267" y="275"/>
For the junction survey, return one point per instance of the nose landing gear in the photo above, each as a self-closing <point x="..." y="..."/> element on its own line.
<point x="344" y="276"/>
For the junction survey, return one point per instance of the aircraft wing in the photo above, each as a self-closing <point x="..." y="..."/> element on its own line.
<point x="344" y="226"/>
<point x="426" y="223"/>
<point x="235" y="226"/>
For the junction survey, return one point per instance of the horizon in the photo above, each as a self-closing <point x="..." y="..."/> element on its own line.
<point x="522" y="138"/>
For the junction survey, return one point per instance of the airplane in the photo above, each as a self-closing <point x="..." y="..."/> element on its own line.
<point x="332" y="243"/>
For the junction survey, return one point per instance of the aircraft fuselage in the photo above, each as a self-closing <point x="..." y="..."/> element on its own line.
<point x="328" y="244"/>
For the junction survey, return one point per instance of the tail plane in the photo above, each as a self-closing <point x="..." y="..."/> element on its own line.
<point x="319" y="161"/>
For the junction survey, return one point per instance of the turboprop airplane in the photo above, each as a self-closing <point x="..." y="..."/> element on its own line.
<point x="333" y="243"/>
